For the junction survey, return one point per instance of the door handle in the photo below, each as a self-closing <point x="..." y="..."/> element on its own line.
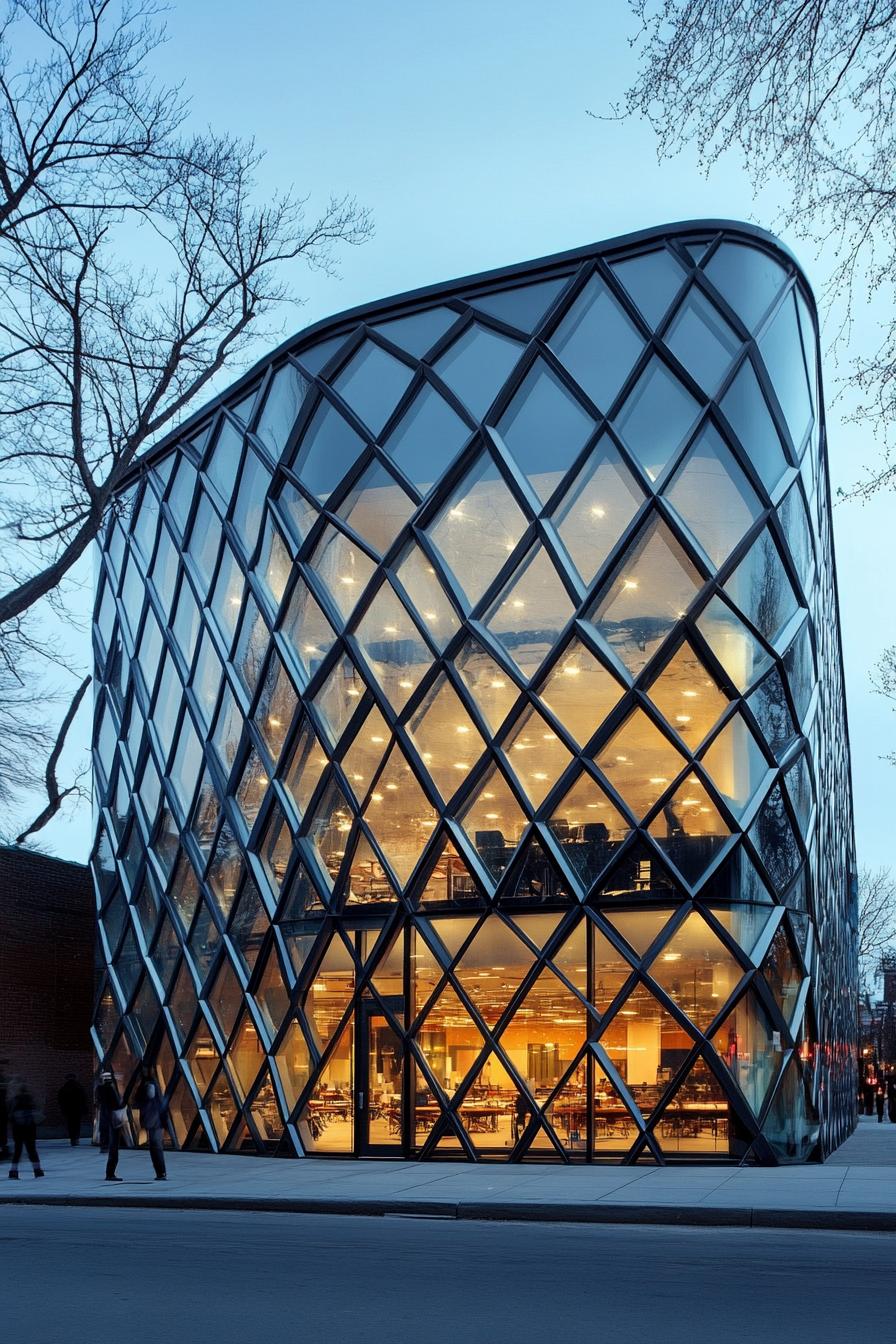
<point x="360" y="1101"/>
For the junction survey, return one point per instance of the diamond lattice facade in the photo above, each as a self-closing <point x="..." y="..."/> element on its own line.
<point x="471" y="755"/>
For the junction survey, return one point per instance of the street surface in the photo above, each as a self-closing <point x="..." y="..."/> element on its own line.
<point x="73" y="1275"/>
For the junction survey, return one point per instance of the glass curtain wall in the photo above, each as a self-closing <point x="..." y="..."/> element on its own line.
<point x="470" y="742"/>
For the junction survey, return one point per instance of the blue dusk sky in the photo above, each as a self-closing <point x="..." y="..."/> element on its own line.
<point x="464" y="127"/>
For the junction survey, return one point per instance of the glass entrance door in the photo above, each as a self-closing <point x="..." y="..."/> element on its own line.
<point x="378" y="1100"/>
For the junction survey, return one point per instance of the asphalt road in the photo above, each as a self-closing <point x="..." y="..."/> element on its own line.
<point x="73" y="1275"/>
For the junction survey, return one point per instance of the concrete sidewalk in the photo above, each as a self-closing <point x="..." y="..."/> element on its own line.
<point x="855" y="1189"/>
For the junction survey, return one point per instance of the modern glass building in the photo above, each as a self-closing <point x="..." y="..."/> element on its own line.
<point x="471" y="756"/>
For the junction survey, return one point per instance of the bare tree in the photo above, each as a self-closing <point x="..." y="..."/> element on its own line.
<point x="883" y="680"/>
<point x="804" y="89"/>
<point x="877" y="920"/>
<point x="135" y="265"/>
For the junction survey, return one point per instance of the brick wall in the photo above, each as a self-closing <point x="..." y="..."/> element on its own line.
<point x="46" y="974"/>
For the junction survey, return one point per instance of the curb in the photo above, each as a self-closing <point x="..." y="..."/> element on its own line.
<point x="842" y="1220"/>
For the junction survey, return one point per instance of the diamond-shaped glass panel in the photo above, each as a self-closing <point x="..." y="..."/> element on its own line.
<point x="307" y="763"/>
<point x="331" y="992"/>
<point x="597" y="508"/>
<point x="523" y="306"/>
<point x="297" y="512"/>
<point x="400" y="815"/>
<point x="644" y="1041"/>
<point x="746" y="410"/>
<point x="493" y="691"/>
<point x="687" y="696"/>
<point x="420" y="331"/>
<point x="530" y="612"/>
<point x="343" y="567"/>
<point x="648" y="594"/>
<point x="652" y="281"/>
<point x="393" y="646"/>
<point x="745" y="1045"/>
<point x="546" y="1032"/>
<point x="367" y="880"/>
<point x="494" y="822"/>
<point x="248" y="925"/>
<point x="446" y="737"/>
<point x="782" y="975"/>
<point x="588" y="828"/>
<point x="689" y="829"/>
<point x="476" y="366"/>
<point x="656" y="418"/>
<point x="252" y="644"/>
<point x="492" y="967"/>
<point x="736" y="764"/>
<point x="747" y="278"/>
<point x="282" y="404"/>
<point x="580" y="691"/>
<point x="449" y="1041"/>
<point x="251" y="788"/>
<point x="449" y="880"/>
<point x="293" y="1061"/>
<point x="377" y="508"/>
<point x="329" y="827"/>
<point x="739" y="652"/>
<point x="307" y="629"/>
<point x="339" y="697"/>
<point x="598" y="343"/>
<point x="225" y="998"/>
<point x="799" y="790"/>
<point x="478" y="528"/>
<point x="361" y="762"/>
<point x="640" y="762"/>
<point x="537" y="756"/>
<point x="276" y="707"/>
<point x="545" y="429"/>
<point x="327" y="450"/>
<point x="713" y="497"/>
<point x="760" y="588"/>
<point x="428" y="598"/>
<point x="772" y="834"/>
<point x="372" y="383"/>
<point x="696" y="971"/>
<point x="697" y="1118"/>
<point x="782" y="353"/>
<point x="702" y="340"/>
<point x="427" y="439"/>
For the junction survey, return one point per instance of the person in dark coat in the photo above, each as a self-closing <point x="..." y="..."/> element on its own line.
<point x="152" y="1118"/>
<point x="73" y="1105"/>
<point x="880" y="1097"/>
<point x="24" y="1132"/>
<point x="109" y="1103"/>
<point x="4" y="1115"/>
<point x="891" y="1098"/>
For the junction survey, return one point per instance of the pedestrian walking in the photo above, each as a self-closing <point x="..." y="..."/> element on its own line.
<point x="73" y="1105"/>
<point x="880" y="1097"/>
<point x="112" y="1117"/>
<point x="152" y="1118"/>
<point x="891" y="1098"/>
<point x="24" y="1132"/>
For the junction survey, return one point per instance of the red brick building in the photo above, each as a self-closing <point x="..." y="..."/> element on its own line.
<point x="46" y="974"/>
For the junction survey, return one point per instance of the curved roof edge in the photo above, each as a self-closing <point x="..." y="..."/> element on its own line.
<point x="394" y="303"/>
